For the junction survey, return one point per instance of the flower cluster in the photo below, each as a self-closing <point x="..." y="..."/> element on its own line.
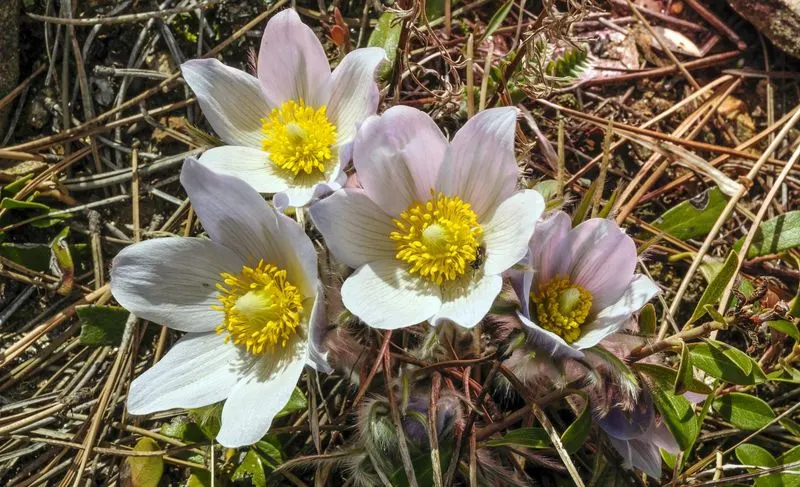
<point x="431" y="229"/>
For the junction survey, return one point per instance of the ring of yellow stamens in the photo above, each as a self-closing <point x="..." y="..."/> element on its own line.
<point x="262" y="309"/>
<point x="562" y="307"/>
<point x="299" y="138"/>
<point x="438" y="238"/>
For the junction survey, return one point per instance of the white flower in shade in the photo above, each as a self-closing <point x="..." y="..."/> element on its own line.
<point x="581" y="286"/>
<point x="290" y="130"/>
<point x="249" y="300"/>
<point x="435" y="224"/>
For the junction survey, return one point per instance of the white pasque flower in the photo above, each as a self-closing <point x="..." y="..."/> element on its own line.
<point x="580" y="287"/>
<point x="289" y="131"/>
<point x="435" y="224"/>
<point x="248" y="298"/>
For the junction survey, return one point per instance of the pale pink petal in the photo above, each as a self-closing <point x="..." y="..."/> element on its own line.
<point x="231" y="100"/>
<point x="384" y="295"/>
<point x="292" y="64"/>
<point x="481" y="167"/>
<point x="354" y="95"/>
<point x="603" y="260"/>
<point x="250" y="165"/>
<point x="397" y="157"/>
<point x="261" y="394"/>
<point x="508" y="230"/>
<point x="355" y="230"/>
<point x="465" y="302"/>
<point x="549" y="248"/>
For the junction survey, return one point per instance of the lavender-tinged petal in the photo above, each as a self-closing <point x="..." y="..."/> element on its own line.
<point x="354" y="94"/>
<point x="548" y="342"/>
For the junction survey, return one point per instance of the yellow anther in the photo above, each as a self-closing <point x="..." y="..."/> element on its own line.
<point x="299" y="138"/>
<point x="562" y="307"/>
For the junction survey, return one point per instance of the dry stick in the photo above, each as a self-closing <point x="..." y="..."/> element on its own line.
<point x="21" y="87"/>
<point x="471" y="77"/>
<point x="487" y="65"/>
<point x="433" y="433"/>
<point x="721" y="220"/>
<point x="661" y="116"/>
<point x="713" y="106"/>
<point x="712" y="19"/>
<point x="601" y="180"/>
<point x="122" y="19"/>
<point x="754" y="227"/>
<point x="405" y="455"/>
<point x="137" y="231"/>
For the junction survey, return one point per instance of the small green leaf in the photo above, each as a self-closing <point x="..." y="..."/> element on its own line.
<point x="647" y="320"/>
<point x="101" y="325"/>
<point x="576" y="433"/>
<point x="12" y="204"/>
<point x="749" y="454"/>
<point x="774" y="236"/>
<point x="10" y="190"/>
<point x="583" y="207"/>
<point x="790" y="426"/>
<point x="524" y="437"/>
<point x="251" y="468"/>
<point x="297" y="402"/>
<point x="182" y="429"/>
<point x="387" y="36"/>
<point x="667" y="374"/>
<point x="208" y="418"/>
<point x="743" y="410"/>
<point x="685" y="375"/>
<point x="785" y="327"/>
<point x="609" y="205"/>
<point x="145" y="471"/>
<point x="677" y="411"/>
<point x="497" y="19"/>
<point x="722" y="361"/>
<point x="716" y="287"/>
<point x="695" y="217"/>
<point x="270" y="452"/>
<point x="62" y="264"/>
<point x="37" y="256"/>
<point x="200" y="478"/>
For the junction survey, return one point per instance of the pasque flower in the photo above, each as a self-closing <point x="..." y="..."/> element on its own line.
<point x="580" y="286"/>
<point x="435" y="223"/>
<point x="289" y="130"/>
<point x="248" y="298"/>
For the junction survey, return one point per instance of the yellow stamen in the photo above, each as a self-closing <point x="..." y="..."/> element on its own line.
<point x="262" y="309"/>
<point x="438" y="238"/>
<point x="562" y="307"/>
<point x="299" y="138"/>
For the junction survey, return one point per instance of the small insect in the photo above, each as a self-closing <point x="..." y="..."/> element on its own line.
<point x="480" y="256"/>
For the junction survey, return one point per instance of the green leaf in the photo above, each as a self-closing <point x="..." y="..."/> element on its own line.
<point x="722" y="361"/>
<point x="609" y="205"/>
<point x="145" y="471"/>
<point x="743" y="410"/>
<point x="37" y="256"/>
<point x="62" y="264"/>
<point x="790" y="426"/>
<point x="497" y="19"/>
<point x="200" y="478"/>
<point x="12" y="204"/>
<point x="270" y="452"/>
<point x="297" y="402"/>
<point x="647" y="320"/>
<point x="576" y="433"/>
<point x="667" y="374"/>
<point x="774" y="236"/>
<point x="785" y="327"/>
<point x="101" y="325"/>
<point x="716" y="287"/>
<point x="583" y="207"/>
<point x="693" y="218"/>
<point x="251" y="468"/>
<point x="749" y="454"/>
<point x="524" y="437"/>
<point x="791" y="456"/>
<point x="10" y="190"/>
<point x="208" y="418"/>
<point x="547" y="188"/>
<point x="387" y="36"/>
<point x="183" y="430"/>
<point x="685" y="375"/>
<point x="677" y="411"/>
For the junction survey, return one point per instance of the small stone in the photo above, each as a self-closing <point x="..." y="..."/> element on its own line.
<point x="779" y="20"/>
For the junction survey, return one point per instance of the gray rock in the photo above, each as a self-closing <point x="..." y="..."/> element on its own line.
<point x="9" y="52"/>
<point x="779" y="20"/>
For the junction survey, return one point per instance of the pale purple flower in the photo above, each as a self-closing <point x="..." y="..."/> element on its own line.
<point x="436" y="223"/>
<point x="289" y="131"/>
<point x="580" y="286"/>
<point x="638" y="436"/>
<point x="248" y="298"/>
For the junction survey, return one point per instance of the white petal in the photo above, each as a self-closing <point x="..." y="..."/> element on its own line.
<point x="547" y="341"/>
<point x="397" y="157"/>
<point x="250" y="165"/>
<point x="172" y="281"/>
<point x="292" y="64"/>
<point x="613" y="318"/>
<point x="355" y="229"/>
<point x="260" y="395"/>
<point x="481" y="168"/>
<point x="317" y="329"/>
<point x="508" y="230"/>
<point x="466" y="306"/>
<point x="236" y="216"/>
<point x="549" y="248"/>
<point x="199" y="370"/>
<point x="231" y="100"/>
<point x="385" y="296"/>
<point x="301" y="195"/>
<point x="354" y="94"/>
